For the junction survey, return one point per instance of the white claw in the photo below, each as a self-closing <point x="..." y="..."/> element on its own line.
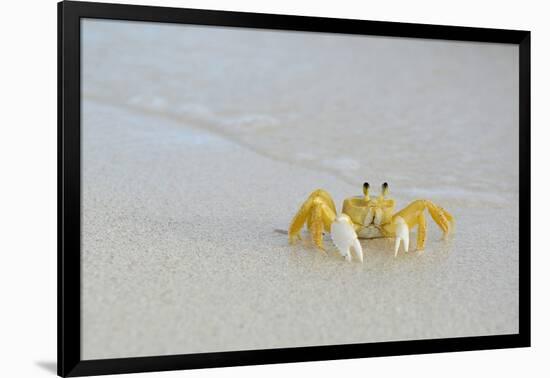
<point x="344" y="237"/>
<point x="401" y="234"/>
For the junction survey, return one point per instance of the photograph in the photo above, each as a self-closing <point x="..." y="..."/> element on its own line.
<point x="248" y="188"/>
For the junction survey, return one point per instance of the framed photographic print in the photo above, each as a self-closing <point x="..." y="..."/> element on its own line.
<point x="239" y="188"/>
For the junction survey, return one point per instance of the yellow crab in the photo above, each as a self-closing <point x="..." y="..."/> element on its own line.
<point x="366" y="218"/>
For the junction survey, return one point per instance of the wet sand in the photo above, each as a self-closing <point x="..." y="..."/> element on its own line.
<point x="199" y="144"/>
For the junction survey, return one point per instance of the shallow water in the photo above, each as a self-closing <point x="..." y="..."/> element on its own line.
<point x="421" y="114"/>
<point x="199" y="143"/>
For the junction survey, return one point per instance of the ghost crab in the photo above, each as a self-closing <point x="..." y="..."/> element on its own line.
<point x="366" y="217"/>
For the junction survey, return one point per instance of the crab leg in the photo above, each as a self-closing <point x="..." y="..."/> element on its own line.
<point x="421" y="238"/>
<point x="319" y="212"/>
<point x="413" y="215"/>
<point x="320" y="219"/>
<point x="298" y="221"/>
<point x="304" y="214"/>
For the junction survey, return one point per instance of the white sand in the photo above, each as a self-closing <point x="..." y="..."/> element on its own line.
<point x="199" y="143"/>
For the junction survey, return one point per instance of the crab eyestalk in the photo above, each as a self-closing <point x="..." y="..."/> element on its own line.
<point x="385" y="190"/>
<point x="366" y="187"/>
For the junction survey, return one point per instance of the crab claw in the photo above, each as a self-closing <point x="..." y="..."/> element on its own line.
<point x="401" y="234"/>
<point x="344" y="237"/>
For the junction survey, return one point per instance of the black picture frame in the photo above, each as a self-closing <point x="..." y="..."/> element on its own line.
<point x="69" y="356"/>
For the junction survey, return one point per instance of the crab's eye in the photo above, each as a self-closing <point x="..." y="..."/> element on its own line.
<point x="384" y="188"/>
<point x="366" y="188"/>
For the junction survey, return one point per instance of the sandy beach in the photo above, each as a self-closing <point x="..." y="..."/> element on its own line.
<point x="200" y="143"/>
